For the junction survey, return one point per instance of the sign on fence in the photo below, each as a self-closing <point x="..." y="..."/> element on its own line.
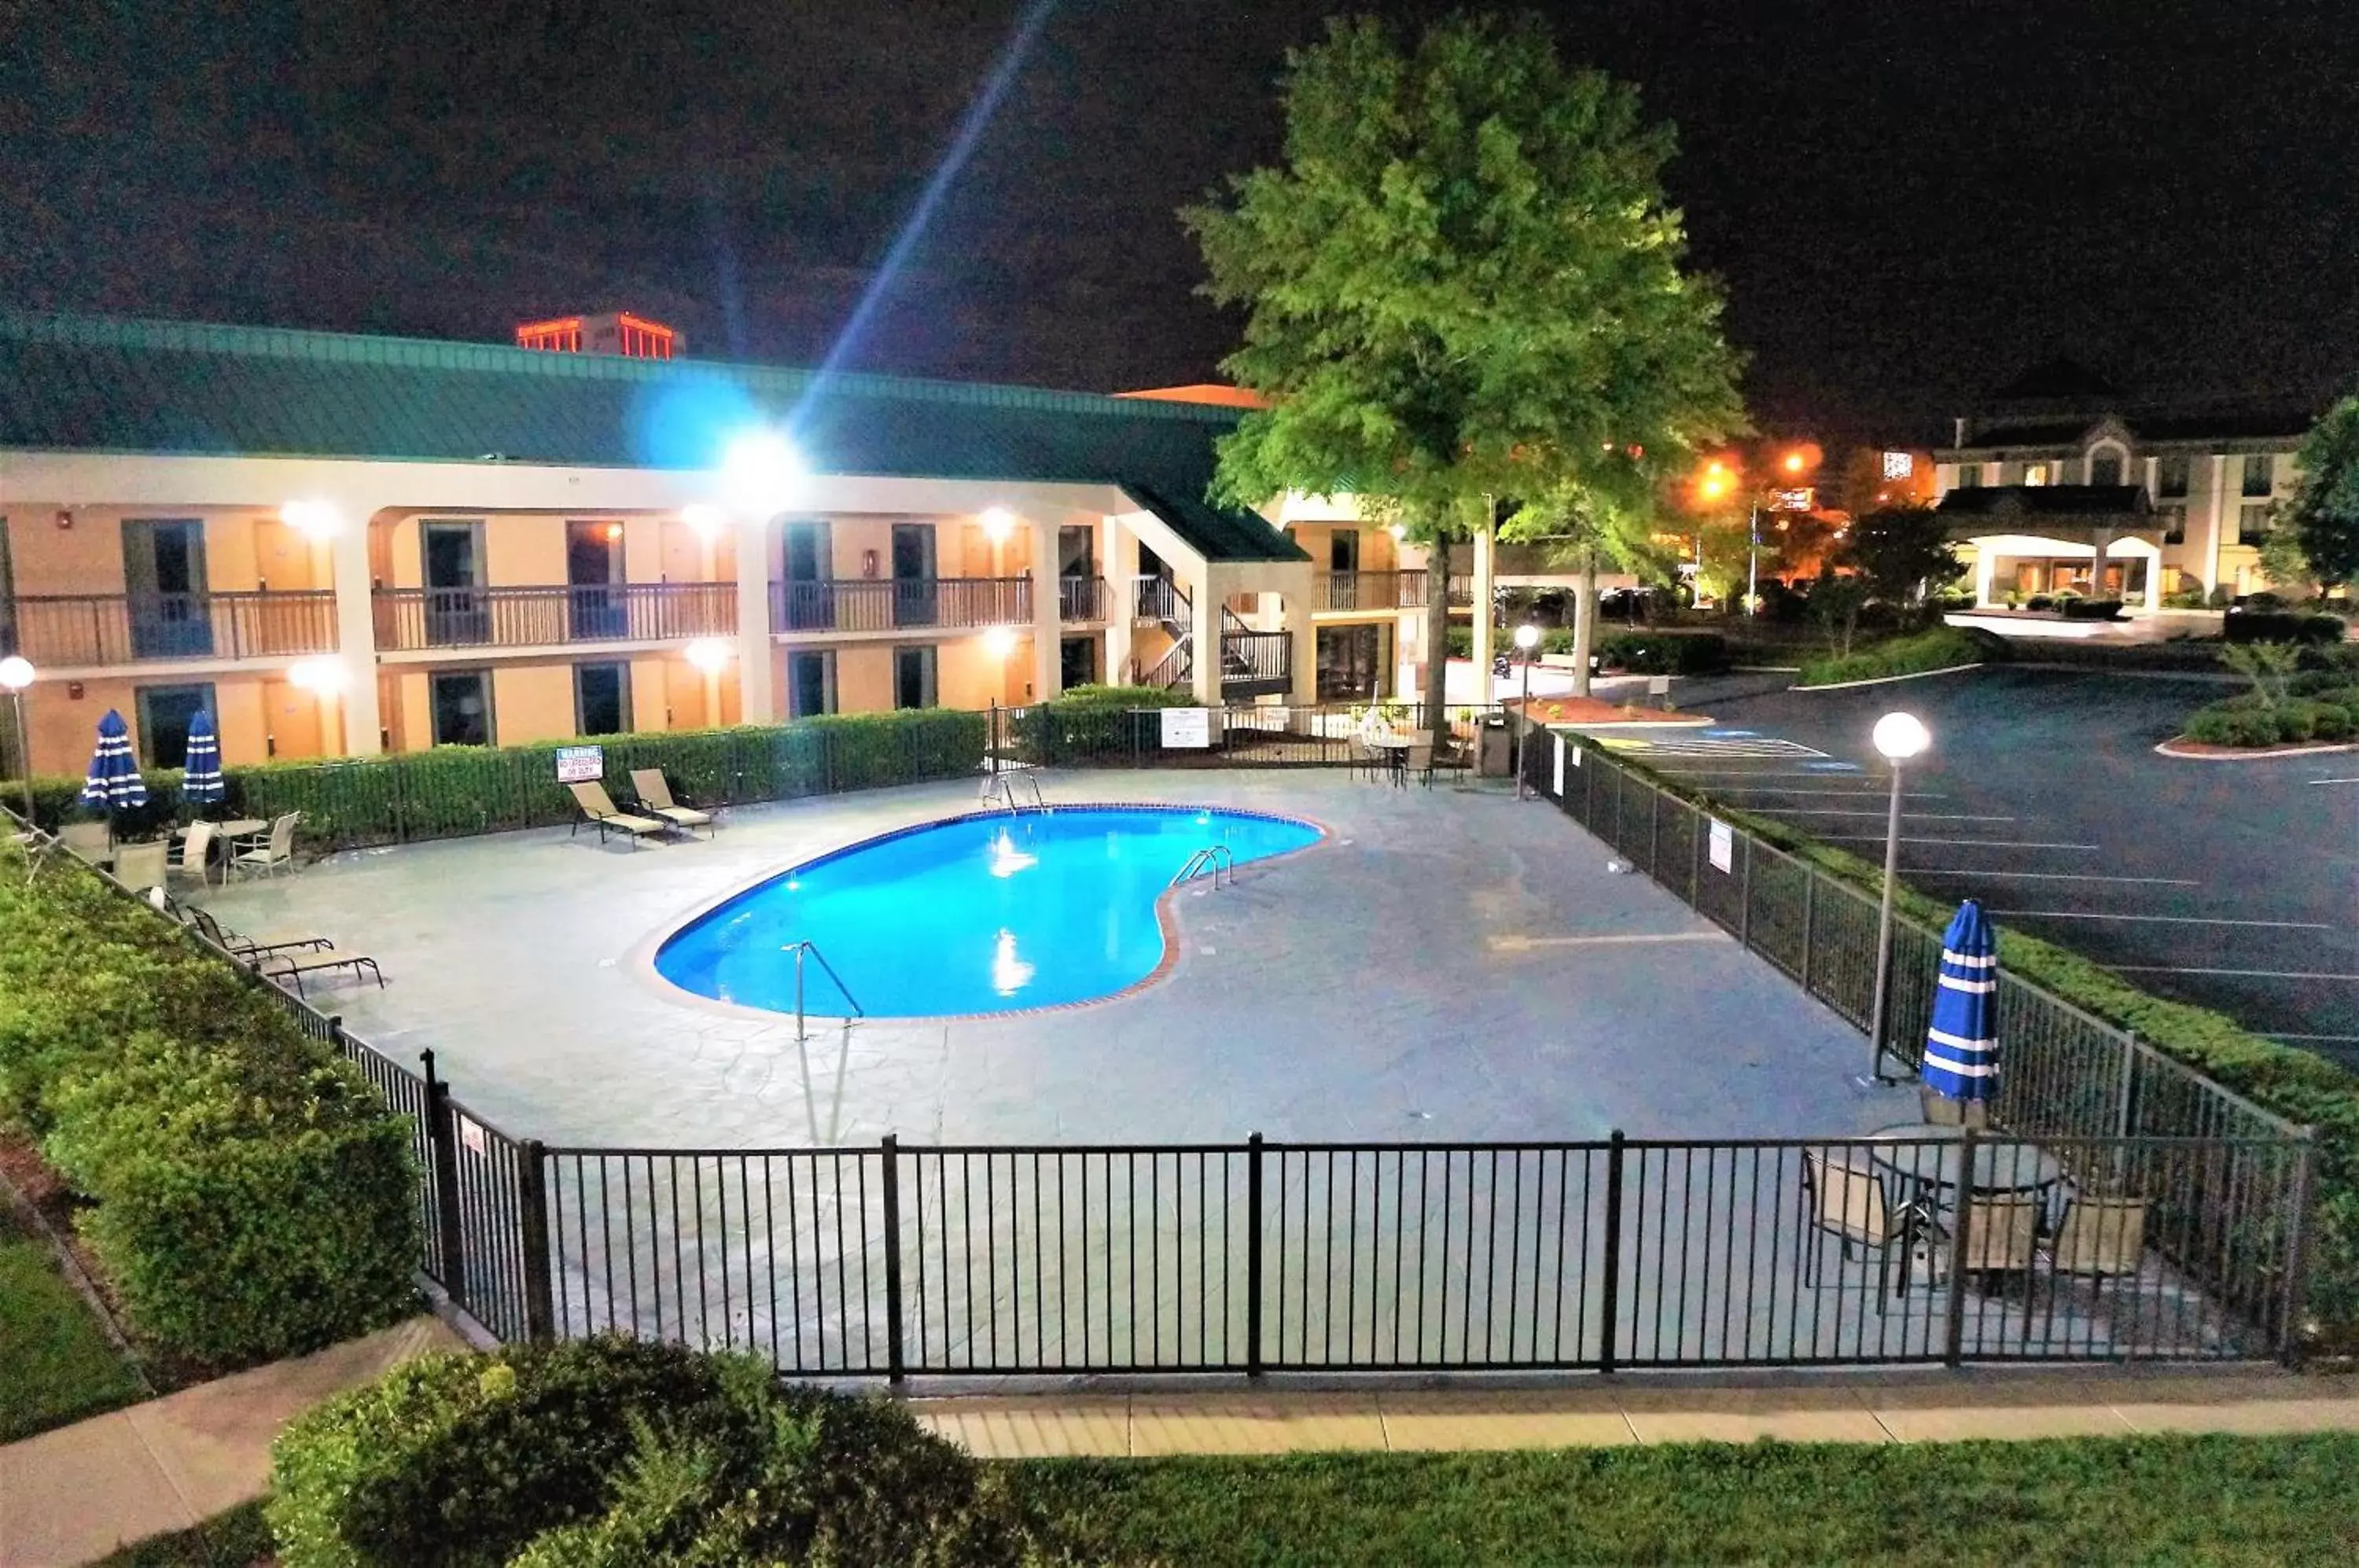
<point x="472" y="1133"/>
<point x="1559" y="763"/>
<point x="580" y="764"/>
<point x="1188" y="727"/>
<point x="1723" y="847"/>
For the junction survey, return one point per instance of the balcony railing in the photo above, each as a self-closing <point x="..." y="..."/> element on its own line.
<point x="884" y="604"/>
<point x="409" y="618"/>
<point x="1257" y="664"/>
<point x="67" y="629"/>
<point x="1155" y="597"/>
<point x="1368" y="591"/>
<point x="1082" y="598"/>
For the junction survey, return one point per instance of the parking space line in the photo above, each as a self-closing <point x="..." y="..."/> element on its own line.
<point x="2272" y="1034"/>
<point x="2326" y="781"/>
<point x="2163" y="919"/>
<point x="2245" y="973"/>
<point x="1863" y="790"/>
<point x="2052" y="877"/>
<point x="1905" y="814"/>
<point x="1970" y="842"/>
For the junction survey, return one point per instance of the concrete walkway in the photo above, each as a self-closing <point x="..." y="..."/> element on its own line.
<point x="77" y="1494"/>
<point x="1890" y="1408"/>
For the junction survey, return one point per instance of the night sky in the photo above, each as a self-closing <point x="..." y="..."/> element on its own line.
<point x="1909" y="201"/>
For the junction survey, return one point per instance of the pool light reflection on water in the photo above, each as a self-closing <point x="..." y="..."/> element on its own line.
<point x="980" y="914"/>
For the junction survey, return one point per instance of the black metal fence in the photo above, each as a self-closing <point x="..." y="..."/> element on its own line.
<point x="1322" y="734"/>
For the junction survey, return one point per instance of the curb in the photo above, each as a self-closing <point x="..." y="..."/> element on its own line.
<point x="1887" y="680"/>
<point x="2249" y="754"/>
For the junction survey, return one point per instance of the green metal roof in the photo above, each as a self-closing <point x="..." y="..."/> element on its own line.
<point x="87" y="383"/>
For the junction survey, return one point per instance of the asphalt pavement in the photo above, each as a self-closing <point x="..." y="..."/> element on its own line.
<point x="2233" y="885"/>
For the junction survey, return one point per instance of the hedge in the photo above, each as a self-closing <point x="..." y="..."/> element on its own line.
<point x="1647" y="653"/>
<point x="610" y="1451"/>
<point x="2275" y="626"/>
<point x="2248" y="720"/>
<point x="2303" y="1087"/>
<point x="1090" y="723"/>
<point x="453" y="790"/>
<point x="1943" y="647"/>
<point x="250" y="1197"/>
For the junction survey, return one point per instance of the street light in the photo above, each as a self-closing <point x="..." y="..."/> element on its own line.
<point x="1899" y="737"/>
<point x="1527" y="637"/>
<point x="15" y="674"/>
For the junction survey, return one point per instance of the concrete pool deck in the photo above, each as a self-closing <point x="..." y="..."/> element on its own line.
<point x="1451" y="965"/>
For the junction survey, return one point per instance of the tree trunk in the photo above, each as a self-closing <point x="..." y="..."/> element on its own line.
<point x="1584" y="622"/>
<point x="1437" y="643"/>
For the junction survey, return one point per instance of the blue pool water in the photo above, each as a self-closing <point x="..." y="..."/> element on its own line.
<point x="981" y="915"/>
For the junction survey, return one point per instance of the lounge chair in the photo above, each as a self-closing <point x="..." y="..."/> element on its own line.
<point x="295" y="965"/>
<point x="245" y="947"/>
<point x="91" y="842"/>
<point x="655" y="794"/>
<point x="196" y="852"/>
<point x="597" y="807"/>
<point x="1850" y="1205"/>
<point x="274" y="849"/>
<point x="140" y="866"/>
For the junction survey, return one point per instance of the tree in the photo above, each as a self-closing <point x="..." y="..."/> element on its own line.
<point x="1901" y="553"/>
<point x="1836" y="604"/>
<point x="2324" y="512"/>
<point x="1587" y="528"/>
<point x="1462" y="285"/>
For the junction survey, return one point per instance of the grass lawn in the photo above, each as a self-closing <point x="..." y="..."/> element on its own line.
<point x="2196" y="1499"/>
<point x="56" y="1363"/>
<point x="237" y="1539"/>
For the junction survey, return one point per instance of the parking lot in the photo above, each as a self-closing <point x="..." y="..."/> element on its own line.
<point x="2228" y="883"/>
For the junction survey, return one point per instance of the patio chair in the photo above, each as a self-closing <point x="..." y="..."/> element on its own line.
<point x="2100" y="1237"/>
<point x="1419" y="763"/>
<point x="1942" y="1111"/>
<point x="1368" y="758"/>
<point x="2001" y="1231"/>
<point x="90" y="841"/>
<point x="196" y="853"/>
<point x="275" y="850"/>
<point x="1849" y="1204"/>
<point x="653" y="791"/>
<point x="285" y="966"/>
<point x="238" y="946"/>
<point x="140" y="866"/>
<point x="595" y="807"/>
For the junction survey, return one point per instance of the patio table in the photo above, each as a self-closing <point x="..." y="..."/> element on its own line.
<point x="1928" y="1160"/>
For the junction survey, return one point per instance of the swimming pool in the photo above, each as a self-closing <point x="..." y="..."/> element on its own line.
<point x="982" y="914"/>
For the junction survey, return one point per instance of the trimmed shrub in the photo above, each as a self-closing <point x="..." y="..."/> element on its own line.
<point x="2324" y="707"/>
<point x="251" y="1196"/>
<point x="1665" y="653"/>
<point x="1091" y="722"/>
<point x="1944" y="648"/>
<point x="614" y="1451"/>
<point x="2275" y="626"/>
<point x="2079" y="609"/>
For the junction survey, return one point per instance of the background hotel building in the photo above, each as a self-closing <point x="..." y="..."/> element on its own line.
<point x="347" y="545"/>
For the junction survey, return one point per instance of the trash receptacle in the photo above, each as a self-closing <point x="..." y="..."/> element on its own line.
<point x="1495" y="755"/>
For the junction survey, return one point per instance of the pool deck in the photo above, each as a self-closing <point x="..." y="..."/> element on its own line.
<point x="1451" y="965"/>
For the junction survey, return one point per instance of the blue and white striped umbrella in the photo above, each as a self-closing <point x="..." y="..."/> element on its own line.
<point x="1962" y="1048"/>
<point x="113" y="780"/>
<point x="200" y="783"/>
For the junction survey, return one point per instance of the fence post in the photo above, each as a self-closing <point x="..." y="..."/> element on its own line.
<point x="442" y="1150"/>
<point x="1954" y="1347"/>
<point x="1809" y="920"/>
<point x="1744" y="896"/>
<point x="2297" y="1282"/>
<point x="1253" y="1256"/>
<point x="532" y="1216"/>
<point x="895" y="1366"/>
<point x="1654" y="831"/>
<point x="1609" y="1305"/>
<point x="2122" y="1119"/>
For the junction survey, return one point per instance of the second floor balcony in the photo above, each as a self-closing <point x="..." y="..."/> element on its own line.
<point x="84" y="630"/>
<point x="1368" y="591"/>
<point x="414" y="619"/>
<point x="895" y="604"/>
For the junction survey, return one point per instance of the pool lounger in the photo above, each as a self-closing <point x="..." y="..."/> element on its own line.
<point x="653" y="791"/>
<point x="295" y="965"/>
<point x="593" y="805"/>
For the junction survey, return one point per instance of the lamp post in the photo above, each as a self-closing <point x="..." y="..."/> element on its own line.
<point x="1527" y="640"/>
<point x="16" y="675"/>
<point x="1899" y="737"/>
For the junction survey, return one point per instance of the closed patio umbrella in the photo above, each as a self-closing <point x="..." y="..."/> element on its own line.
<point x="1962" y="1048"/>
<point x="114" y="781"/>
<point x="201" y="783"/>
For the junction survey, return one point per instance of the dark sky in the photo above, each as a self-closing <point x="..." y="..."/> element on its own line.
<point x="1908" y="201"/>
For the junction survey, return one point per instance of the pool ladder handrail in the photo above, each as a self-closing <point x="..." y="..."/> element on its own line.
<point x="1004" y="785"/>
<point x="802" y="949"/>
<point x="1210" y="859"/>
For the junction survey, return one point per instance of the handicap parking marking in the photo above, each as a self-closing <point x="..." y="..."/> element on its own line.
<point x="1733" y="734"/>
<point x="1834" y="766"/>
<point x="1705" y="745"/>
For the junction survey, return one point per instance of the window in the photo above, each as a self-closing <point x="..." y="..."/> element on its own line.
<point x="164" y="714"/>
<point x="2174" y="524"/>
<point x="2253" y="523"/>
<point x="461" y="705"/>
<point x="2036" y="472"/>
<point x="601" y="699"/>
<point x="913" y="677"/>
<point x="2171" y="475"/>
<point x="2260" y="474"/>
<point x="1970" y="475"/>
<point x="810" y="683"/>
<point x="1079" y="661"/>
<point x="2105" y="468"/>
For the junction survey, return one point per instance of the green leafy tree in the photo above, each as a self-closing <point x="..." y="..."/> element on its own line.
<point x="2283" y="561"/>
<point x="1836" y="604"/>
<point x="1591" y="528"/>
<point x="1462" y="285"/>
<point x="2323" y="516"/>
<point x="1902" y="553"/>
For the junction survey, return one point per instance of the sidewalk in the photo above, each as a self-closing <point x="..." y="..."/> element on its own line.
<point x="76" y="1494"/>
<point x="1898" y="1407"/>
